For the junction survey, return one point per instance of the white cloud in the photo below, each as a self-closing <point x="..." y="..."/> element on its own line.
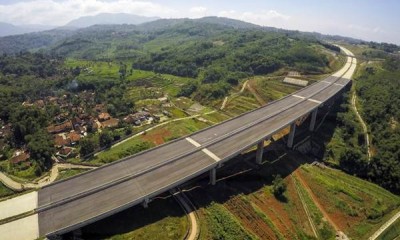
<point x="51" y="12"/>
<point x="196" y="12"/>
<point x="264" y="18"/>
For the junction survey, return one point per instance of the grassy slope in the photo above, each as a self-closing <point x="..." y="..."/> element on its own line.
<point x="358" y="207"/>
<point x="69" y="173"/>
<point x="5" y="191"/>
<point x="176" y="130"/>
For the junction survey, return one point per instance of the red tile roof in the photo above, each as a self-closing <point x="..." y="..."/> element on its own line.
<point x="20" y="158"/>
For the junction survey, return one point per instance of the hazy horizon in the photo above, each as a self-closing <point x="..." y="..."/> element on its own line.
<point x="368" y="20"/>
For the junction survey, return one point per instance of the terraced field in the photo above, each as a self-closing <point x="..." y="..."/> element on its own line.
<point x="241" y="104"/>
<point x="318" y="202"/>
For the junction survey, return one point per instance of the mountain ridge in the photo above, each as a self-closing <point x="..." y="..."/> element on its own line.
<point x="109" y="18"/>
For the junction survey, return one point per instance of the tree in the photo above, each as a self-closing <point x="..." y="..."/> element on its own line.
<point x="122" y="70"/>
<point x="187" y="89"/>
<point x="279" y="186"/>
<point x="106" y="138"/>
<point x="40" y="147"/>
<point x="87" y="146"/>
<point x="213" y="74"/>
<point x="128" y="130"/>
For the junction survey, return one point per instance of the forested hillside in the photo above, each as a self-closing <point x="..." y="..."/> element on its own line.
<point x="197" y="49"/>
<point x="378" y="87"/>
<point x="60" y="86"/>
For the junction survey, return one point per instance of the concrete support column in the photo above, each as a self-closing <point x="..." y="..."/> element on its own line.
<point x="260" y="151"/>
<point x="291" y="135"/>
<point x="145" y="203"/>
<point x="313" y="119"/>
<point x="213" y="176"/>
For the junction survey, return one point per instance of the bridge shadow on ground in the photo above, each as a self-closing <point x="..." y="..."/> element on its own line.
<point x="164" y="209"/>
<point x="239" y="176"/>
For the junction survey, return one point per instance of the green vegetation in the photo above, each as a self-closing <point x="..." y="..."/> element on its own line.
<point x="273" y="89"/>
<point x="324" y="229"/>
<point x="363" y="206"/>
<point x="5" y="191"/>
<point x="223" y="225"/>
<point x="378" y="103"/>
<point x="69" y="173"/>
<point x="140" y="143"/>
<point x="346" y="148"/>
<point x="278" y="186"/>
<point x="377" y="87"/>
<point x="125" y="149"/>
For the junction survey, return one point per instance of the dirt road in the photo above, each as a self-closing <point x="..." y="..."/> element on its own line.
<point x="364" y="126"/>
<point x="194" y="226"/>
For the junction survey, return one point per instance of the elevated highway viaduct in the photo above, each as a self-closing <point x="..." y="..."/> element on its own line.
<point x="78" y="201"/>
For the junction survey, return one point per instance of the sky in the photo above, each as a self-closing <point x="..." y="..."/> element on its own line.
<point x="371" y="20"/>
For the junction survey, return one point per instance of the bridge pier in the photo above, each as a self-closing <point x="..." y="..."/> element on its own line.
<point x="213" y="176"/>
<point x="145" y="202"/>
<point x="313" y="119"/>
<point x="291" y="135"/>
<point x="260" y="151"/>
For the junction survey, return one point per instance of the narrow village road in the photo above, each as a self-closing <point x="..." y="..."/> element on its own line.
<point x="54" y="172"/>
<point x="255" y="94"/>
<point x="234" y="94"/>
<point x="364" y="126"/>
<point x="159" y="125"/>
<point x="194" y="226"/>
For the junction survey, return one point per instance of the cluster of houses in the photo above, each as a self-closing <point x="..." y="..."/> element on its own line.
<point x="139" y="118"/>
<point x="73" y="123"/>
<point x="77" y="115"/>
<point x="19" y="156"/>
<point x="69" y="133"/>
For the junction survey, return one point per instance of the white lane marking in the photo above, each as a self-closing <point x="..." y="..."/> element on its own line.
<point x="337" y="84"/>
<point x="313" y="100"/>
<point x="211" y="154"/>
<point x="196" y="144"/>
<point x="326" y="82"/>
<point x="205" y="150"/>
<point x="298" y="96"/>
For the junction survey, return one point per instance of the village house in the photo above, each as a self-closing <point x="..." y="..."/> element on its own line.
<point x="62" y="117"/>
<point x="66" y="152"/>
<point x="52" y="100"/>
<point x="39" y="103"/>
<point x="110" y="123"/>
<point x="64" y="127"/>
<point x="20" y="157"/>
<point x="100" y="108"/>
<point x="61" y="140"/>
<point x="104" y="116"/>
<point x="27" y="104"/>
<point x="137" y="118"/>
<point x="74" y="137"/>
<point x="5" y="131"/>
